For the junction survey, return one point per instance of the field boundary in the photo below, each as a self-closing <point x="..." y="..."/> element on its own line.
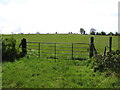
<point x="55" y="47"/>
<point x="90" y="49"/>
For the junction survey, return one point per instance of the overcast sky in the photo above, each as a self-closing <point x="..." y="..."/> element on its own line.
<point x="62" y="16"/>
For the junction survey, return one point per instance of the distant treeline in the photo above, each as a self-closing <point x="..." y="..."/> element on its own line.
<point x="92" y="33"/>
<point x="83" y="32"/>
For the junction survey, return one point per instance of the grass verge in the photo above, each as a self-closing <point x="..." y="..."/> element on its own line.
<point x="34" y="72"/>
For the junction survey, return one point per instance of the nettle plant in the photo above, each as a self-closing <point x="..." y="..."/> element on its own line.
<point x="9" y="52"/>
<point x="111" y="61"/>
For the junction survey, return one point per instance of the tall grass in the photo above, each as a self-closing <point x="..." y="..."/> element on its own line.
<point x="34" y="72"/>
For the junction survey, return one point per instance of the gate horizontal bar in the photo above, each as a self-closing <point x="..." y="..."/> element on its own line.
<point x="63" y="53"/>
<point x="32" y="45"/>
<point x="80" y="47"/>
<point x="80" y="51"/>
<point x="57" y="43"/>
<point x="64" y="46"/>
<point x="47" y="49"/>
<point x="63" y="50"/>
<point x="48" y="52"/>
<point x="32" y="49"/>
<point x="80" y="54"/>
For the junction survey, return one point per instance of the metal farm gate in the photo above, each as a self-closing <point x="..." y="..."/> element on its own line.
<point x="59" y="50"/>
<point x="62" y="50"/>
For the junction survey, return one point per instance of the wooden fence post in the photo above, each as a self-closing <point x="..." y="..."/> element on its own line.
<point x="24" y="46"/>
<point x="91" y="46"/>
<point x="110" y="44"/>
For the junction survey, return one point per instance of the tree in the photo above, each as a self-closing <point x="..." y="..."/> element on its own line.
<point x="37" y="33"/>
<point x="82" y="31"/>
<point x="20" y="33"/>
<point x="92" y="31"/>
<point x="103" y="33"/>
<point x="12" y="33"/>
<point x="116" y="33"/>
<point x="97" y="33"/>
<point x="110" y="33"/>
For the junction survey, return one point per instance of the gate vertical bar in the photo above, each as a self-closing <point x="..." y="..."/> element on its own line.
<point x="72" y="51"/>
<point x="110" y="44"/>
<point x="91" y="46"/>
<point x="39" y="49"/>
<point x="55" y="50"/>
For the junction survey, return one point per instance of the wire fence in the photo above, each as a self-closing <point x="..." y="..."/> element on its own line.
<point x="104" y="41"/>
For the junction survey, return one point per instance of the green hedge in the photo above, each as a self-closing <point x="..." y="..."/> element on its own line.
<point x="109" y="62"/>
<point x="9" y="52"/>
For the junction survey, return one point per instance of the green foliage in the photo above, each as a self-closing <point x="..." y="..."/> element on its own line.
<point x="111" y="61"/>
<point x="103" y="33"/>
<point x="82" y="31"/>
<point x="92" y="31"/>
<point x="9" y="51"/>
<point x="97" y="33"/>
<point x="110" y="33"/>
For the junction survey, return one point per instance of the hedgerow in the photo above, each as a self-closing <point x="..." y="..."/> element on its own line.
<point x="9" y="51"/>
<point x="109" y="62"/>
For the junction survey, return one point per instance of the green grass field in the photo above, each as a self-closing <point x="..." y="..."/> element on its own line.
<point x="100" y="41"/>
<point x="34" y="72"/>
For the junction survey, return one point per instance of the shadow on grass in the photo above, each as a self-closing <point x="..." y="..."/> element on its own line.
<point x="13" y="57"/>
<point x="52" y="57"/>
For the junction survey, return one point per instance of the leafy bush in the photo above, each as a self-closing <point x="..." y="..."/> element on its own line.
<point x="111" y="61"/>
<point x="9" y="52"/>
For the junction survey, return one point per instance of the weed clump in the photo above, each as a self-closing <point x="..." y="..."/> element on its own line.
<point x="109" y="62"/>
